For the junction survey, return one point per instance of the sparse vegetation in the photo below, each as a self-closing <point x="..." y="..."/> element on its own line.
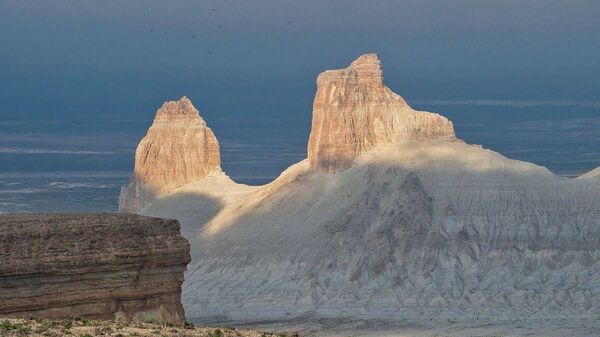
<point x="7" y="325"/>
<point x="85" y="327"/>
<point x="66" y="324"/>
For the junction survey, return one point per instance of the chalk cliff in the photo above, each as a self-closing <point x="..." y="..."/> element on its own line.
<point x="104" y="266"/>
<point x="353" y="111"/>
<point x="414" y="225"/>
<point x="179" y="148"/>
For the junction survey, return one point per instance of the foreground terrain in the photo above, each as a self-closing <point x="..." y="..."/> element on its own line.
<point x="88" y="328"/>
<point x="82" y="327"/>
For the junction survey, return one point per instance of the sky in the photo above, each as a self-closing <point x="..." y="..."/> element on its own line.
<point x="90" y="60"/>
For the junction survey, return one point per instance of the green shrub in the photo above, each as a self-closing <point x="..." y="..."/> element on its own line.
<point x="66" y="324"/>
<point x="42" y="327"/>
<point x="7" y="325"/>
<point x="23" y="330"/>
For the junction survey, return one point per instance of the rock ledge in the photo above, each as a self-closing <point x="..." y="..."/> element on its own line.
<point x="105" y="266"/>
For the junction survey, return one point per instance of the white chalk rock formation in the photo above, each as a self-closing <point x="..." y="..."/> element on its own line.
<point x="390" y="218"/>
<point x="178" y="149"/>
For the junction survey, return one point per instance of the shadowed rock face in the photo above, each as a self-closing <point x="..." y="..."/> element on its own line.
<point x="105" y="266"/>
<point x="354" y="111"/>
<point x="179" y="148"/>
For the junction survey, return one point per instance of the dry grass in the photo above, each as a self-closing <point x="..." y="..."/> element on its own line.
<point x="91" y="328"/>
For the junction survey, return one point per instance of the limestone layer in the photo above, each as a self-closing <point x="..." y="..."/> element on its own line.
<point x="354" y="111"/>
<point x="104" y="266"/>
<point x="179" y="148"/>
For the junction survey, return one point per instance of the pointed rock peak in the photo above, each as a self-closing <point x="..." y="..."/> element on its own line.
<point x="354" y="111"/>
<point x="365" y="70"/>
<point x="368" y="69"/>
<point x="178" y="149"/>
<point x="182" y="107"/>
<point x="370" y="59"/>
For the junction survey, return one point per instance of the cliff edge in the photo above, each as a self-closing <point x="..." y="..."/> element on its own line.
<point x="104" y="266"/>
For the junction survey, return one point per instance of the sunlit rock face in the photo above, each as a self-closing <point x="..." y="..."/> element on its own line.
<point x="354" y="111"/>
<point x="593" y="175"/>
<point x="179" y="148"/>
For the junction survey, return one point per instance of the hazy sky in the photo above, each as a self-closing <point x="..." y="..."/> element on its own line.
<point x="121" y="59"/>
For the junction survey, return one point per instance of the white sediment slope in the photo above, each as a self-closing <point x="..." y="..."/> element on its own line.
<point x="415" y="231"/>
<point x="593" y="175"/>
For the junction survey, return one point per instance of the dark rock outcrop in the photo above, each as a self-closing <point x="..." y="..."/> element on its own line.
<point x="105" y="266"/>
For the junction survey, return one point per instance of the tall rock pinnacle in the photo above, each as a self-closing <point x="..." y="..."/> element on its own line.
<point x="354" y="111"/>
<point x="179" y="148"/>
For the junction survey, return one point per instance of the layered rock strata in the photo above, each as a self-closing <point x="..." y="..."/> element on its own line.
<point x="179" y="148"/>
<point x="353" y="111"/>
<point x="105" y="266"/>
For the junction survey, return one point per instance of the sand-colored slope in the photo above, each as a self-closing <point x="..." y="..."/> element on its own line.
<point x="593" y="175"/>
<point x="197" y="203"/>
